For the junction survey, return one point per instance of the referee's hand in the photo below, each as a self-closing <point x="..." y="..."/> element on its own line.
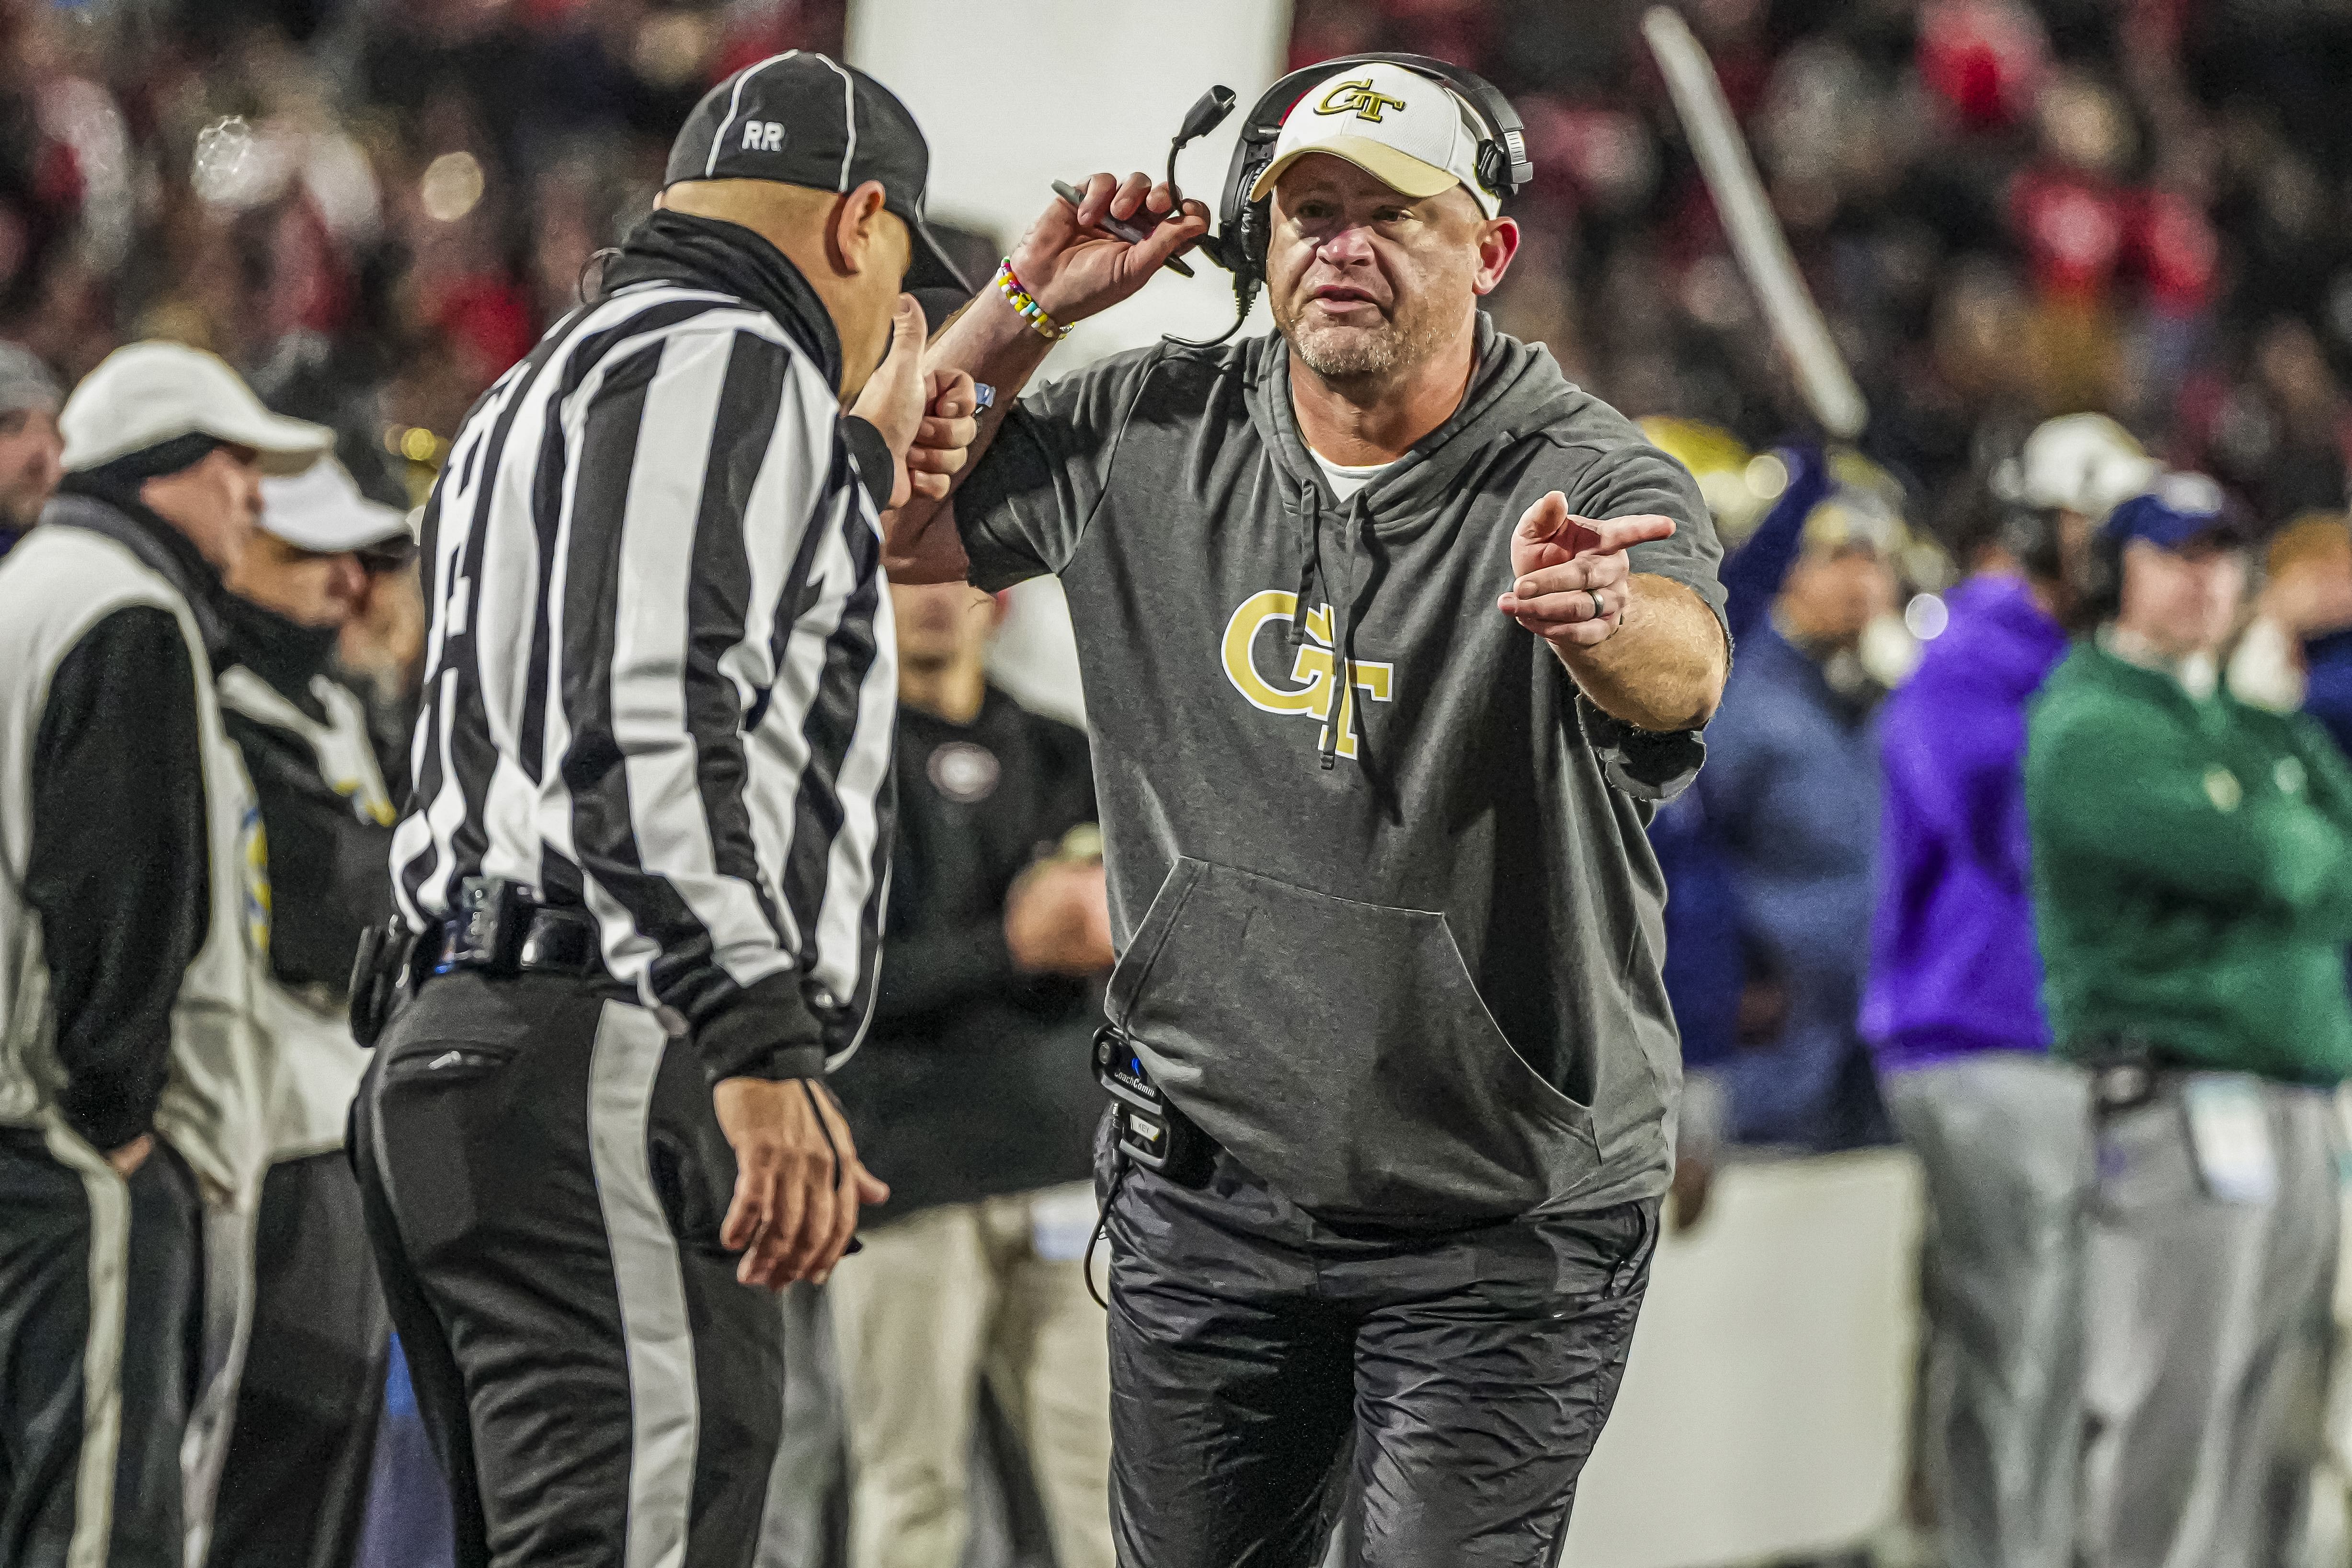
<point x="925" y="420"/>
<point x="798" y="1183"/>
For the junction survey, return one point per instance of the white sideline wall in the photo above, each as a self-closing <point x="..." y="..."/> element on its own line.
<point x="1099" y="87"/>
<point x="1766" y="1407"/>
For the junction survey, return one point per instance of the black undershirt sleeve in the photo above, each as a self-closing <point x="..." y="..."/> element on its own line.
<point x="876" y="467"/>
<point x="119" y="870"/>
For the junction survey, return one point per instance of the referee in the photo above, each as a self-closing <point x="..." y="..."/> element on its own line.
<point x="644" y="857"/>
<point x="1391" y="637"/>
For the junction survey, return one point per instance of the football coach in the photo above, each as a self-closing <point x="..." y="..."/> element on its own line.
<point x="644" y="860"/>
<point x="1391" y="638"/>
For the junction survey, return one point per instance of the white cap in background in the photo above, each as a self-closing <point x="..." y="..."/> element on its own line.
<point x="1407" y="130"/>
<point x="322" y="510"/>
<point x="2084" y="463"/>
<point x="25" y="382"/>
<point x="145" y="394"/>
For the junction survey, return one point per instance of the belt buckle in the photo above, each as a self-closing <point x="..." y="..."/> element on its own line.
<point x="2120" y="1086"/>
<point x="541" y="949"/>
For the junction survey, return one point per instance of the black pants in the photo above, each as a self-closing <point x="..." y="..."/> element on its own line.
<point x="544" y="1181"/>
<point x="293" y="1490"/>
<point x="100" y="1318"/>
<point x="1252" y="1346"/>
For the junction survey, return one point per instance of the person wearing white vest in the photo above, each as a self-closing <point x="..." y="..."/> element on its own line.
<point x="293" y="1485"/>
<point x="134" y="1087"/>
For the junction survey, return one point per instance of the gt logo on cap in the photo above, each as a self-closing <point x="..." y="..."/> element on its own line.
<point x="1358" y="96"/>
<point x="763" y="136"/>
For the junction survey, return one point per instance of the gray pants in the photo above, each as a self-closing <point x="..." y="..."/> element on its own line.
<point x="2209" y="1339"/>
<point x="2005" y="1143"/>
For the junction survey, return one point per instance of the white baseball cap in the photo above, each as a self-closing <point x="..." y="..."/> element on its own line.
<point x="321" y="509"/>
<point x="2084" y="463"/>
<point x="1409" y="131"/>
<point x="144" y="394"/>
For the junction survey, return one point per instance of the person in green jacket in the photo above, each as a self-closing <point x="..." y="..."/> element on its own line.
<point x="2192" y="859"/>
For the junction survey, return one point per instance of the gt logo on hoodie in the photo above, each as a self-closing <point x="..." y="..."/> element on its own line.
<point x="1312" y="683"/>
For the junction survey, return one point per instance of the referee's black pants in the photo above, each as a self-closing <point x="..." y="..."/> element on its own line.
<point x="544" y="1181"/>
<point x="1253" y="1349"/>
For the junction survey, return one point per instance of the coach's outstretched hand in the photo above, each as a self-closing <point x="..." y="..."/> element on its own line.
<point x="1644" y="648"/>
<point x="1571" y="587"/>
<point x="798" y="1183"/>
<point x="1075" y="270"/>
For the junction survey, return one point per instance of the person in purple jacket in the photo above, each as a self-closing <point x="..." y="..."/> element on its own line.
<point x="1952" y="1008"/>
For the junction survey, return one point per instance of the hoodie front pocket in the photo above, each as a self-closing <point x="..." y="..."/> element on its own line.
<point x="1341" y="1050"/>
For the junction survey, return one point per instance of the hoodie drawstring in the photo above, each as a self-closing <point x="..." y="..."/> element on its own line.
<point x="1352" y="524"/>
<point x="1310" y="528"/>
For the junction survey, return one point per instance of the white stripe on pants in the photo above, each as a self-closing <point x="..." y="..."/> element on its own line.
<point x="662" y="1403"/>
<point x="101" y="1374"/>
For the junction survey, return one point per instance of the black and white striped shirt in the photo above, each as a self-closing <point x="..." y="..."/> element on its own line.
<point x="659" y="680"/>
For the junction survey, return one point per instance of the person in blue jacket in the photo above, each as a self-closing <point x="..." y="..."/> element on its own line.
<point x="1791" y="804"/>
<point x="1705" y="968"/>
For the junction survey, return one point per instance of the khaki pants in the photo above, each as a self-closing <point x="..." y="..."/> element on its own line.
<point x="933" y="1303"/>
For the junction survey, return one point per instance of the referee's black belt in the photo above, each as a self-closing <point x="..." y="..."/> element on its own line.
<point x="500" y="929"/>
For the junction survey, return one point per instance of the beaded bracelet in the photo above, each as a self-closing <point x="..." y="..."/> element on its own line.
<point x="1024" y="302"/>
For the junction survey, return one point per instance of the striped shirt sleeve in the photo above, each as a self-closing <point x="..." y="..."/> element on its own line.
<point x="698" y="473"/>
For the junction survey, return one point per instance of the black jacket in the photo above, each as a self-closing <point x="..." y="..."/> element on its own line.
<point x="975" y="1081"/>
<point x="119" y="870"/>
<point x="329" y="860"/>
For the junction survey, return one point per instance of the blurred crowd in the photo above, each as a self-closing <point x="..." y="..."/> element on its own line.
<point x="2091" y="261"/>
<point x="2007" y="210"/>
<point x="371" y="207"/>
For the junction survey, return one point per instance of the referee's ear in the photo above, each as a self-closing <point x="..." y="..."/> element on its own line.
<point x="858" y="239"/>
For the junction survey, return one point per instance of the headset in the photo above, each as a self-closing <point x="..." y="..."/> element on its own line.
<point x="2032" y="535"/>
<point x="1244" y="226"/>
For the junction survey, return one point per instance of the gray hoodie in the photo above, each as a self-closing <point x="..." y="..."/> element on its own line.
<point x="1403" y="968"/>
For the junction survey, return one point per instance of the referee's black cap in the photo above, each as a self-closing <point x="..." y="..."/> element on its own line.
<point x="805" y="119"/>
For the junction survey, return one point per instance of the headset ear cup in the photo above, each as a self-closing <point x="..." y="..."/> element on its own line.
<point x="1495" y="169"/>
<point x="2099" y="586"/>
<point x="1257" y="232"/>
